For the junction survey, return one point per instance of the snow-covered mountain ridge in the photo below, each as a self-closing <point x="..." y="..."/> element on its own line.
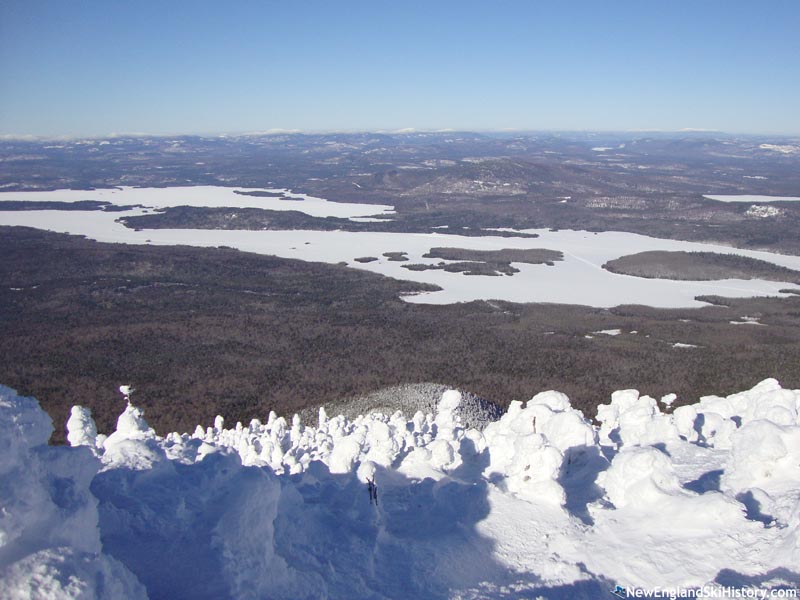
<point x="541" y="503"/>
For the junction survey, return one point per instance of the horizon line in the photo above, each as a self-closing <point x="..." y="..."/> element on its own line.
<point x="382" y="131"/>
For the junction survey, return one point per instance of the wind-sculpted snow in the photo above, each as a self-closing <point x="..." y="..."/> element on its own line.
<point x="541" y="502"/>
<point x="49" y="536"/>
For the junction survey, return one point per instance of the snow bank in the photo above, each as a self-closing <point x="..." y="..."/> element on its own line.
<point x="763" y="454"/>
<point x="763" y="470"/>
<point x="49" y="536"/>
<point x="541" y="501"/>
<point x="527" y="445"/>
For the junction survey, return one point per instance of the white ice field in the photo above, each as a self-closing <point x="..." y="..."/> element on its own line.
<point x="578" y="279"/>
<point x="751" y="198"/>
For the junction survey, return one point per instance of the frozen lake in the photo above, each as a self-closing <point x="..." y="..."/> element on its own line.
<point x="578" y="279"/>
<point x="752" y="199"/>
<point x="208" y="196"/>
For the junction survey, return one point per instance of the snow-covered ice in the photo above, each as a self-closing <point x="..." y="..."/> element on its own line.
<point x="751" y="198"/>
<point x="208" y="196"/>
<point x="611" y="332"/>
<point x="584" y="252"/>
<point x="782" y="148"/>
<point x="542" y="502"/>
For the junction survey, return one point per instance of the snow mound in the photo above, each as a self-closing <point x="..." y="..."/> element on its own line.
<point x="49" y="536"/>
<point x="640" y="476"/>
<point x="763" y="469"/>
<point x="540" y="502"/>
<point x="631" y="419"/>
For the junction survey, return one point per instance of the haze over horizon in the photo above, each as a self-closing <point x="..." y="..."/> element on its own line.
<point x="600" y="133"/>
<point x="92" y="69"/>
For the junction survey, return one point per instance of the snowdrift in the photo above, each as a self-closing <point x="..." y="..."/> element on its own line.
<point x="542" y="502"/>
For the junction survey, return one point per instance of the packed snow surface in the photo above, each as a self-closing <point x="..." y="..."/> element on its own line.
<point x="584" y="252"/>
<point x="541" y="503"/>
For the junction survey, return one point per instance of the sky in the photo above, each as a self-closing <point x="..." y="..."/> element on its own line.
<point x="90" y="68"/>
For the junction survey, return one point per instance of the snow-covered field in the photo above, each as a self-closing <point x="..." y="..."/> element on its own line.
<point x="752" y="198"/>
<point x="541" y="503"/>
<point x="578" y="279"/>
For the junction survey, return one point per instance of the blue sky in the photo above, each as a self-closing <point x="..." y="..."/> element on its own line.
<point x="97" y="67"/>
